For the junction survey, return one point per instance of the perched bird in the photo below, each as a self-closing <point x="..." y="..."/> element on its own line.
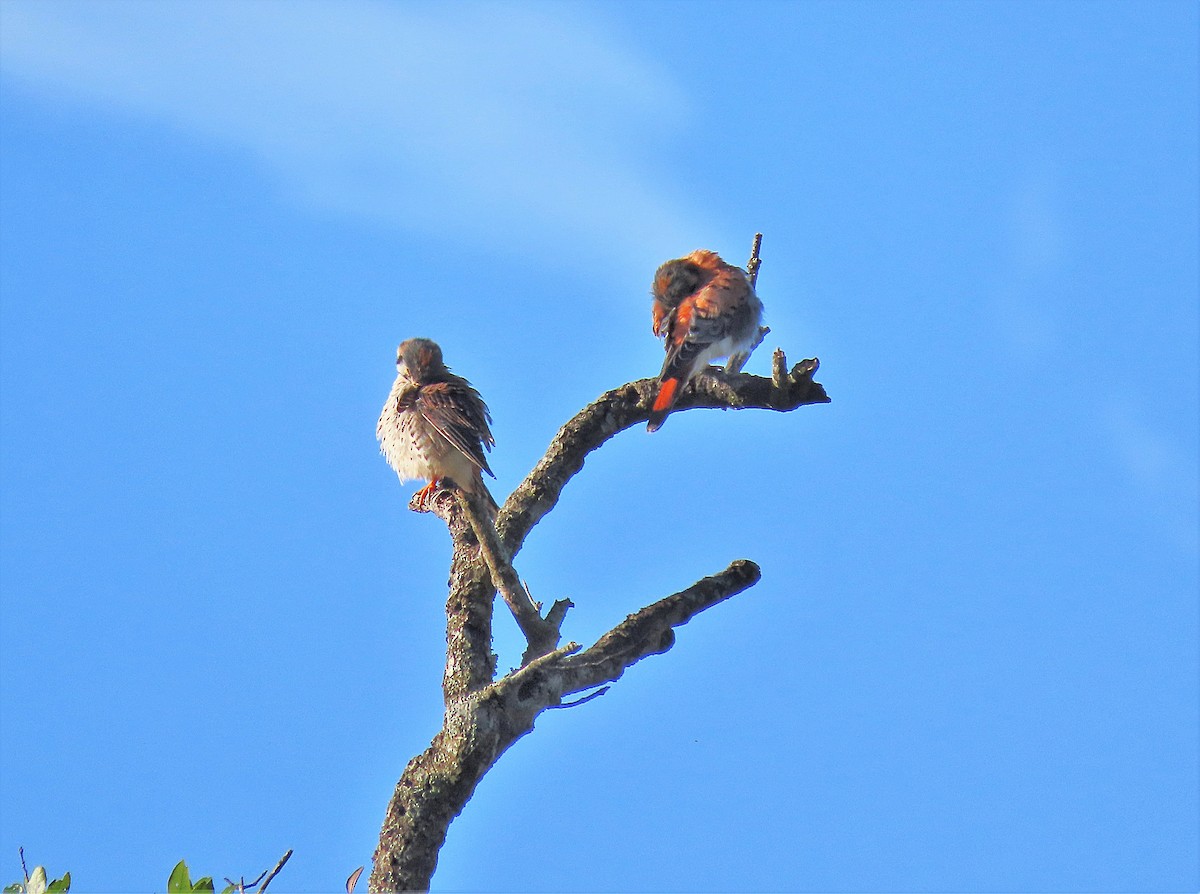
<point x="706" y="309"/>
<point x="434" y="424"/>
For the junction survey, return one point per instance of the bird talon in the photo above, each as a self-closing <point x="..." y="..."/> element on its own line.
<point x="424" y="497"/>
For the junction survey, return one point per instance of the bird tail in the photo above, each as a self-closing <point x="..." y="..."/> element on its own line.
<point x="486" y="500"/>
<point x="668" y="393"/>
<point x="678" y="367"/>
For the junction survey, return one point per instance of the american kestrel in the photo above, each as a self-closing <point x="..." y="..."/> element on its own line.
<point x="434" y="424"/>
<point x="706" y="309"/>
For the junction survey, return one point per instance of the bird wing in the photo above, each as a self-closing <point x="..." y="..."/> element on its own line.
<point x="720" y="308"/>
<point x="661" y="316"/>
<point x="459" y="415"/>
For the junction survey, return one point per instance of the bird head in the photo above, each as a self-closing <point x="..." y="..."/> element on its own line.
<point x="419" y="359"/>
<point x="677" y="279"/>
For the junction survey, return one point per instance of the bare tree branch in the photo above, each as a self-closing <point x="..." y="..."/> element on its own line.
<point x="651" y="631"/>
<point x="541" y="634"/>
<point x="435" y="786"/>
<point x="580" y="701"/>
<point x="478" y="570"/>
<point x="470" y="662"/>
<point x="274" y="872"/>
<point x="481" y="725"/>
<point x="647" y="632"/>
<point x="752" y="273"/>
<point x="485" y="716"/>
<point x="755" y="261"/>
<point x="629" y="405"/>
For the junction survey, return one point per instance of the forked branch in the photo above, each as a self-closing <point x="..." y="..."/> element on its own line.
<point x="484" y="716"/>
<point x="650" y="631"/>
<point x="481" y="725"/>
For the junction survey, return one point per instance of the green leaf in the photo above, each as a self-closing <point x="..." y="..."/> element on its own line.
<point x="204" y="884"/>
<point x="15" y="888"/>
<point x="229" y="889"/>
<point x="180" y="881"/>
<point x="60" y="885"/>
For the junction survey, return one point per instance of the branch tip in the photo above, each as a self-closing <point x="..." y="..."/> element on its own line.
<point x="747" y="570"/>
<point x="806" y="368"/>
<point x="779" y="368"/>
<point x="275" y="871"/>
<point x="582" y="701"/>
<point x="755" y="261"/>
<point x="557" y="612"/>
<point x="549" y="658"/>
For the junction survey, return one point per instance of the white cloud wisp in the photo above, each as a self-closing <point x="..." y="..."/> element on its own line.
<point x="512" y="124"/>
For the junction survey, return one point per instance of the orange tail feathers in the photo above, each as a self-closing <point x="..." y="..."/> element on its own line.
<point x="668" y="393"/>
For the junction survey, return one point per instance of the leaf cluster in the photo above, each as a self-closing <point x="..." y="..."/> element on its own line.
<point x="36" y="883"/>
<point x="180" y="882"/>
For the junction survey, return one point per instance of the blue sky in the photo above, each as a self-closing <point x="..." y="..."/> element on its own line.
<point x="971" y="664"/>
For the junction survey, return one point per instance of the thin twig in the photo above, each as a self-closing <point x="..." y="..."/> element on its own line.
<point x="581" y="701"/>
<point x="755" y="261"/>
<point x="541" y="634"/>
<point x="530" y="670"/>
<point x="274" y="872"/>
<point x="24" y="871"/>
<point x="752" y="271"/>
<point x="519" y="600"/>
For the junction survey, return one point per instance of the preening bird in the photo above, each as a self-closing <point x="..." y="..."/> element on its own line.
<point x="434" y="424"/>
<point x="706" y="309"/>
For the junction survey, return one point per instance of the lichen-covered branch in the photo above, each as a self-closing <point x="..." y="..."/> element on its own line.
<point x="541" y="634"/>
<point x="481" y="725"/>
<point x="650" y="631"/>
<point x="485" y="716"/>
<point x="629" y="405"/>
<point x="433" y="790"/>
<point x="470" y="662"/>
